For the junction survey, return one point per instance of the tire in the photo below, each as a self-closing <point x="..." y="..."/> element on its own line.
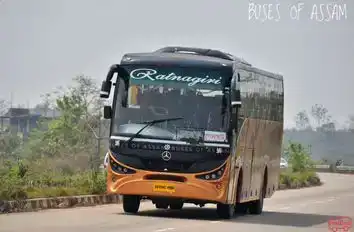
<point x="241" y="208"/>
<point x="225" y="211"/>
<point x="176" y="206"/>
<point x="161" y="206"/>
<point x="131" y="204"/>
<point x="256" y="207"/>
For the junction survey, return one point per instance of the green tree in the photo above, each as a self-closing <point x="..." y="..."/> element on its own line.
<point x="302" y="121"/>
<point x="59" y="156"/>
<point x="299" y="157"/>
<point x="320" y="115"/>
<point x="72" y="132"/>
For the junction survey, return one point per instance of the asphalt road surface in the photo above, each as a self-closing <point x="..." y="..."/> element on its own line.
<point x="291" y="210"/>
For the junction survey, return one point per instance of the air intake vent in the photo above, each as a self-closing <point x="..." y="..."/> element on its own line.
<point x="165" y="177"/>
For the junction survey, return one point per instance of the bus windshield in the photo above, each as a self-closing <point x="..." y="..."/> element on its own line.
<point x="195" y="95"/>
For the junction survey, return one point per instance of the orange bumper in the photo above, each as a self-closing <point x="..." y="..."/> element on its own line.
<point x="192" y="188"/>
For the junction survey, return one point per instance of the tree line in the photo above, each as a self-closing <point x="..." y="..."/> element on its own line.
<point x="319" y="119"/>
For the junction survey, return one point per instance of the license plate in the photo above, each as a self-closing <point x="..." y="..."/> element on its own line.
<point x="165" y="188"/>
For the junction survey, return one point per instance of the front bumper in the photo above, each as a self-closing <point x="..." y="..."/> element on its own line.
<point x="191" y="188"/>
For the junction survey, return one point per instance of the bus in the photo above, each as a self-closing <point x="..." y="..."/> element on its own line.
<point x="193" y="125"/>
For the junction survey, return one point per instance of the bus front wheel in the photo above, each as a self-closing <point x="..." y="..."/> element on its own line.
<point x="176" y="205"/>
<point x="161" y="205"/>
<point x="131" y="204"/>
<point x="225" y="211"/>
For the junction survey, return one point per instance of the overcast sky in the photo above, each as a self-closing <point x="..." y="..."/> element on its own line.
<point x="44" y="43"/>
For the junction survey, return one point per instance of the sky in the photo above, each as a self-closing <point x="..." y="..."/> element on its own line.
<point x="45" y="43"/>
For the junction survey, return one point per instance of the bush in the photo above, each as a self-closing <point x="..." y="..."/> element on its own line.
<point x="301" y="172"/>
<point x="299" y="157"/>
<point x="18" y="182"/>
<point x="293" y="180"/>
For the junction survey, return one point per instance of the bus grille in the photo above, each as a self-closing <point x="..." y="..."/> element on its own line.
<point x="171" y="166"/>
<point x="165" y="177"/>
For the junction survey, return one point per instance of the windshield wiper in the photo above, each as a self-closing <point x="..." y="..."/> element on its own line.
<point x="150" y="123"/>
<point x="192" y="140"/>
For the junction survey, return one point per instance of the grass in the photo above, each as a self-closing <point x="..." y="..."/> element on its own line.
<point x="55" y="192"/>
<point x="13" y="187"/>
<point x="292" y="180"/>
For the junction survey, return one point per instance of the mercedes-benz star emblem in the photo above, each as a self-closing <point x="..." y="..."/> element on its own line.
<point x="166" y="156"/>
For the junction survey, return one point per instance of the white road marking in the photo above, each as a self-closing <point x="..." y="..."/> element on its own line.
<point x="286" y="207"/>
<point x="214" y="222"/>
<point x="165" y="229"/>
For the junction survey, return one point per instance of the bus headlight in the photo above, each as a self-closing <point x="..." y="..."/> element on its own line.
<point x="215" y="175"/>
<point x="119" y="168"/>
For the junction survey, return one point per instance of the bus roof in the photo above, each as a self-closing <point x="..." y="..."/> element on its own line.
<point x="194" y="57"/>
<point x="183" y="56"/>
<point x="260" y="71"/>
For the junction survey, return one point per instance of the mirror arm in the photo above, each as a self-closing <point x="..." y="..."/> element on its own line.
<point x="107" y="83"/>
<point x="113" y="69"/>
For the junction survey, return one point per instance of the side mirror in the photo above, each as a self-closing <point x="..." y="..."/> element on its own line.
<point x="235" y="101"/>
<point x="125" y="99"/>
<point x="235" y="92"/>
<point x="105" y="89"/>
<point x="107" y="112"/>
<point x="225" y="100"/>
<point x="235" y="98"/>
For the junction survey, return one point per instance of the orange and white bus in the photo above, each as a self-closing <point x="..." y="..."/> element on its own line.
<point x="192" y="125"/>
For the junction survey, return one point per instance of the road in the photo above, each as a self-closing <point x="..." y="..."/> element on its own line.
<point x="291" y="210"/>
